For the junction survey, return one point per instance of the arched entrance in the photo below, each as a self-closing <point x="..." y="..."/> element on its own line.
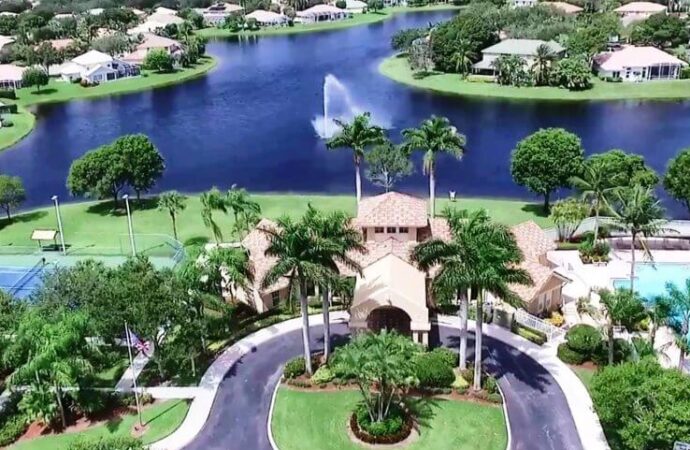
<point x="389" y="318"/>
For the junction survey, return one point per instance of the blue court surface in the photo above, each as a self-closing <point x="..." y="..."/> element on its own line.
<point x="20" y="281"/>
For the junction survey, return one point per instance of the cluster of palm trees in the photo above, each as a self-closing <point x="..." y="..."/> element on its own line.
<point x="245" y="211"/>
<point x="512" y="69"/>
<point x="433" y="137"/>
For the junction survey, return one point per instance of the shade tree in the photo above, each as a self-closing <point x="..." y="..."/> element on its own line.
<point x="35" y="77"/>
<point x="677" y="178"/>
<point x="12" y="194"/>
<point x="387" y="164"/>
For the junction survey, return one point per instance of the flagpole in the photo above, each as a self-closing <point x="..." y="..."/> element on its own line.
<point x="134" y="375"/>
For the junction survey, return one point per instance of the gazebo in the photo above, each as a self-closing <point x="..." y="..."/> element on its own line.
<point x="44" y="235"/>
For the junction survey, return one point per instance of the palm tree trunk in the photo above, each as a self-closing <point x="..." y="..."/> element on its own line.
<point x="174" y="224"/>
<point x="632" y="262"/>
<point x="464" y="300"/>
<point x="358" y="180"/>
<point x="61" y="407"/>
<point x="596" y="222"/>
<point x="432" y="192"/>
<point x="326" y="324"/>
<point x="304" y="308"/>
<point x="652" y="333"/>
<point x="547" y="199"/>
<point x="478" y="343"/>
<point x="611" y="342"/>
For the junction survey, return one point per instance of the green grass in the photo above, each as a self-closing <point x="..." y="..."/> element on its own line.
<point x="585" y="375"/>
<point x="95" y="224"/>
<point x="162" y="419"/>
<point x="397" y="68"/>
<point x="23" y="121"/>
<point x="357" y="19"/>
<point x="110" y="374"/>
<point x="305" y="420"/>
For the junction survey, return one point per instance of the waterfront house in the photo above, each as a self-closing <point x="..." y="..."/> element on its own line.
<point x="566" y="8"/>
<point x="636" y="11"/>
<point x="151" y="42"/>
<point x="391" y="292"/>
<point x="322" y="13"/>
<point x="635" y="64"/>
<point x="523" y="3"/>
<point x="96" y="67"/>
<point x="164" y="11"/>
<point x="215" y="15"/>
<point x="11" y="76"/>
<point x="524" y="48"/>
<point x="155" y="22"/>
<point x="354" y="6"/>
<point x="267" y="18"/>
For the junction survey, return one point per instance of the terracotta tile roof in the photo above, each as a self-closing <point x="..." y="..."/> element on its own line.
<point x="392" y="209"/>
<point x="256" y="242"/>
<point x="534" y="243"/>
<point x="377" y="250"/>
<point x="440" y="228"/>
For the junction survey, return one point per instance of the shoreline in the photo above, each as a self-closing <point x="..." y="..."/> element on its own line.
<point x="396" y="68"/>
<point x="356" y="20"/>
<point x="27" y="98"/>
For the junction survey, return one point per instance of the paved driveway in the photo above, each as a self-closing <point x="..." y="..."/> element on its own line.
<point x="539" y="415"/>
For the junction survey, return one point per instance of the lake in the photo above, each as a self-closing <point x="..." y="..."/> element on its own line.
<point x="250" y="122"/>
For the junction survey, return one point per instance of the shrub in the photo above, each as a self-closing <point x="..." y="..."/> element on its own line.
<point x="5" y="93"/>
<point x="494" y="398"/>
<point x="622" y="351"/>
<point x="446" y="355"/>
<point x="294" y="368"/>
<point x="460" y="383"/>
<point x="570" y="356"/>
<point x="556" y="319"/>
<point x="583" y="339"/>
<point x="107" y="443"/>
<point x="530" y="334"/>
<point x="12" y="428"/>
<point x="593" y="252"/>
<point x="468" y="375"/>
<point x="6" y="123"/>
<point x="322" y="375"/>
<point x="433" y="371"/>
<point x="489" y="384"/>
<point x="341" y="4"/>
<point x="685" y="73"/>
<point x="388" y="427"/>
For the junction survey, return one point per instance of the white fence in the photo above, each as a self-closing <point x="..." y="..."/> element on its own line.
<point x="524" y="318"/>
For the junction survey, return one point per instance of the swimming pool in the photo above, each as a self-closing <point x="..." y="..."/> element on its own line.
<point x="21" y="281"/>
<point x="651" y="279"/>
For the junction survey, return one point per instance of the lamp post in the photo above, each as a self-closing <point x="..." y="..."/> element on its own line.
<point x="54" y="198"/>
<point x="129" y="224"/>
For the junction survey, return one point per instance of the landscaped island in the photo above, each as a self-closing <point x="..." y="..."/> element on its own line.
<point x="397" y="68"/>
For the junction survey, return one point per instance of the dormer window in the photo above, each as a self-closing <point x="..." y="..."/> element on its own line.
<point x="403" y="230"/>
<point x="378" y="230"/>
<point x="390" y="230"/>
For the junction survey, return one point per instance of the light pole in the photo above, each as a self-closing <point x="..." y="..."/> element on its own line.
<point x="129" y="223"/>
<point x="54" y="198"/>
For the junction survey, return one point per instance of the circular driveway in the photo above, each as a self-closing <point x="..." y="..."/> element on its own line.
<point x="538" y="412"/>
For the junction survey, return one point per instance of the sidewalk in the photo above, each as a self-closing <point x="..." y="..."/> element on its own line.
<point x="127" y="380"/>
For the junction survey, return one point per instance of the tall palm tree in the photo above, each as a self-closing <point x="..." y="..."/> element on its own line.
<point x="244" y="208"/>
<point x="336" y="229"/>
<point x="595" y="188"/>
<point x="212" y="201"/>
<point x="658" y="312"/>
<point x="623" y="308"/>
<point x="173" y="203"/>
<point x="543" y="58"/>
<point x="463" y="57"/>
<point x="679" y="299"/>
<point x="638" y="212"/>
<point x="453" y="275"/>
<point x="357" y="136"/>
<point x="434" y="136"/>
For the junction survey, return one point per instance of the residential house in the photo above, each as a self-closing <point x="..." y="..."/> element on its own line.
<point x="164" y="11"/>
<point x="153" y="42"/>
<point x="523" y="3"/>
<point x="322" y="13"/>
<point x="215" y="15"/>
<point x="636" y="11"/>
<point x="267" y="18"/>
<point x="96" y="67"/>
<point x="5" y="40"/>
<point x="566" y="8"/>
<point x="635" y="64"/>
<point x="11" y="76"/>
<point x="155" y="22"/>
<point x="524" y="48"/>
<point x="354" y="6"/>
<point x="391" y="292"/>
<point x="61" y="44"/>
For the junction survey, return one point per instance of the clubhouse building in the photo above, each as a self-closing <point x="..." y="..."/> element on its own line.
<point x="391" y="292"/>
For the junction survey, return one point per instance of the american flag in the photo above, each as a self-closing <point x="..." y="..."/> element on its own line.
<point x="144" y="347"/>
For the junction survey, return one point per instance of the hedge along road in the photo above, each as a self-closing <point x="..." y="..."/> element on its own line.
<point x="538" y="412"/>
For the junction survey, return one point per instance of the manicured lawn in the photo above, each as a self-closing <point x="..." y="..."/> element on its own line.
<point x="357" y="19"/>
<point x="585" y="375"/>
<point x="23" y="124"/>
<point x="58" y="91"/>
<point x="310" y="420"/>
<point x="396" y="68"/>
<point x="94" y="224"/>
<point x="162" y="419"/>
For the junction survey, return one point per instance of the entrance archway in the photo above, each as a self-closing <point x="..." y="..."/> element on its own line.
<point x="389" y="318"/>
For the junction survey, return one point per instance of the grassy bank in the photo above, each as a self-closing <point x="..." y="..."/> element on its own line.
<point x="23" y="122"/>
<point x="95" y="223"/>
<point x="397" y="68"/>
<point x="161" y="420"/>
<point x="318" y="420"/>
<point x="357" y="19"/>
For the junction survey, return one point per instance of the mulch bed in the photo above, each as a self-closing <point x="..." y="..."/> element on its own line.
<point x="364" y="436"/>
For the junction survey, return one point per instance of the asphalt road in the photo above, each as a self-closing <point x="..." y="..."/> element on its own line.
<point x="537" y="409"/>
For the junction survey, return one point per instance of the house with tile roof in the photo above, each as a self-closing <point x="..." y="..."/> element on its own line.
<point x="524" y="48"/>
<point x="635" y="64"/>
<point x="391" y="292"/>
<point x="637" y="11"/>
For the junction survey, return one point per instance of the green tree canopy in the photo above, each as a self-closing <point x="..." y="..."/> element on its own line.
<point x="143" y="162"/>
<point x="623" y="308"/>
<point x="388" y="164"/>
<point x="34" y="76"/>
<point x="173" y="203"/>
<point x="159" y="60"/>
<point x="12" y="194"/>
<point x="568" y="215"/>
<point x="572" y="73"/>
<point x="677" y="178"/>
<point x="660" y="30"/>
<point x="624" y="169"/>
<point x="546" y="160"/>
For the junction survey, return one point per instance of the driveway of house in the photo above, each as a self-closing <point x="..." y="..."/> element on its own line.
<point x="537" y="409"/>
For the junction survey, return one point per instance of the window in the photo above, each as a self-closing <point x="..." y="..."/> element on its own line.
<point x="378" y="230"/>
<point x="403" y="230"/>
<point x="616" y="74"/>
<point x="275" y="298"/>
<point x="390" y="230"/>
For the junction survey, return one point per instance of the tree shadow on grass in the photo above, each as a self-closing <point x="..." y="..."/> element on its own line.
<point x="114" y="424"/>
<point x="107" y="208"/>
<point x="44" y="91"/>
<point x="145" y="204"/>
<point x="23" y="218"/>
<point x="536" y="209"/>
<point x="164" y="412"/>
<point x="196" y="241"/>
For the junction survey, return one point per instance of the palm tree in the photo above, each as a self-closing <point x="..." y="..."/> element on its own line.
<point x="229" y="267"/>
<point x="595" y="188"/>
<point x="658" y="312"/>
<point x="173" y="203"/>
<point x="679" y="299"/>
<point x="638" y="212"/>
<point x="243" y="209"/>
<point x="434" y="136"/>
<point x="623" y="308"/>
<point x="211" y="201"/>
<point x="357" y="136"/>
<point x="543" y="58"/>
<point x="453" y="275"/>
<point x="336" y="230"/>
<point x="463" y="57"/>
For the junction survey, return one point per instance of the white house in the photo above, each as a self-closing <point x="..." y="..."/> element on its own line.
<point x="322" y="13"/>
<point x="267" y="18"/>
<point x="523" y="3"/>
<point x="215" y="15"/>
<point x="155" y="22"/>
<point x="636" y="11"/>
<point x="11" y="76"/>
<point x="638" y="64"/>
<point x="165" y="11"/>
<point x="565" y="8"/>
<point x="524" y="48"/>
<point x="354" y="6"/>
<point x="96" y="67"/>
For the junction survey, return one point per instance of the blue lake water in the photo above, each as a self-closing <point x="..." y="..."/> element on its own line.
<point x="250" y="122"/>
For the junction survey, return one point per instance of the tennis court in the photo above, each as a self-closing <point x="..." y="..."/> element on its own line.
<point x="21" y="281"/>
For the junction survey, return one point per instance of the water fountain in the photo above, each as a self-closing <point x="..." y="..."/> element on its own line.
<point x="339" y="104"/>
